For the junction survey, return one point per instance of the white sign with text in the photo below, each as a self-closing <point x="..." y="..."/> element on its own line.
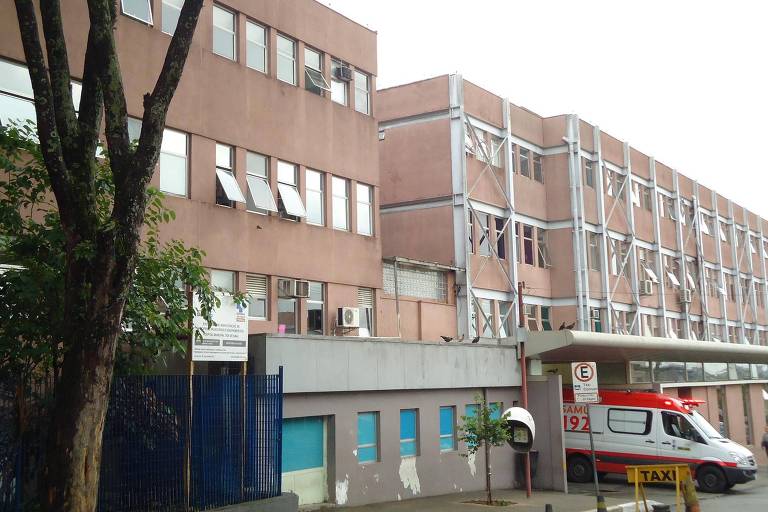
<point x="227" y="339"/>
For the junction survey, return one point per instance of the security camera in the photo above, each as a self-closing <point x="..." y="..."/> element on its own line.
<point x="521" y="427"/>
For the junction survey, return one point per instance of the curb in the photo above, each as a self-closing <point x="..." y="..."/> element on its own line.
<point x="629" y="507"/>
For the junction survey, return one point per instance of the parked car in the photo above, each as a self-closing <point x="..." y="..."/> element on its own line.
<point x="631" y="428"/>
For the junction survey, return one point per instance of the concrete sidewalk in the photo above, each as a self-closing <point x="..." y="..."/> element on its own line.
<point x="560" y="502"/>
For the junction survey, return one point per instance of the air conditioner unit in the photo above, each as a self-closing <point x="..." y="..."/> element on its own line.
<point x="594" y="314"/>
<point x="348" y="317"/>
<point x="286" y="288"/>
<point x="646" y="287"/>
<point x="344" y="73"/>
<point x="685" y="296"/>
<point x="302" y="289"/>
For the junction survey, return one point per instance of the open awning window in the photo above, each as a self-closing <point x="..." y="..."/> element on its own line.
<point x="691" y="281"/>
<point x="317" y="79"/>
<point x="703" y="224"/>
<point x="651" y="274"/>
<point x="723" y="237"/>
<point x="259" y="194"/>
<point x="229" y="185"/>
<point x="673" y="278"/>
<point x="291" y="200"/>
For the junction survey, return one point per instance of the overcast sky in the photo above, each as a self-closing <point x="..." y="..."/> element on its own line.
<point x="683" y="81"/>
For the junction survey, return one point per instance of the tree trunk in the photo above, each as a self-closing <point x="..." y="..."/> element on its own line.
<point x="488" y="473"/>
<point x="73" y="456"/>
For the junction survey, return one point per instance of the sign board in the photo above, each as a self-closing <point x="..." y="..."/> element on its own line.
<point x="227" y="339"/>
<point x="672" y="473"/>
<point x="584" y="382"/>
<point x="575" y="418"/>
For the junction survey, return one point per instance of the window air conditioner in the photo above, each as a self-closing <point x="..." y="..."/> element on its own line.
<point x="594" y="314"/>
<point x="344" y="73"/>
<point x="302" y="289"/>
<point x="286" y="287"/>
<point x="685" y="296"/>
<point x="348" y="317"/>
<point x="646" y="287"/>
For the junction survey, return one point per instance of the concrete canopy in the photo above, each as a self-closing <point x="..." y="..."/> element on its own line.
<point x="565" y="346"/>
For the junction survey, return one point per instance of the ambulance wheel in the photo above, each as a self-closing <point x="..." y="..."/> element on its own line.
<point x="711" y="479"/>
<point x="579" y="469"/>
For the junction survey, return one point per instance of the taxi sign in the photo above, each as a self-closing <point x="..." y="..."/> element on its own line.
<point x="585" y="382"/>
<point x="671" y="473"/>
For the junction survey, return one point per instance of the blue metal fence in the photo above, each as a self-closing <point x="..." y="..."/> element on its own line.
<point x="165" y="449"/>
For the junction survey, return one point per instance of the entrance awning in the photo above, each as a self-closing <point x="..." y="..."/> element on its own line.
<point x="565" y="346"/>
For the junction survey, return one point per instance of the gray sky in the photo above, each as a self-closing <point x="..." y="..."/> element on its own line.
<point x="684" y="81"/>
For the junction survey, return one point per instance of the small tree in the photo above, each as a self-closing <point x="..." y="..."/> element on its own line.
<point x="482" y="430"/>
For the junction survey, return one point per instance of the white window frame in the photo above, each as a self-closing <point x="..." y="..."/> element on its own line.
<point x="291" y="58"/>
<point x="184" y="155"/>
<point x="226" y="177"/>
<point x="263" y="46"/>
<point x="345" y="198"/>
<point x="149" y="22"/>
<point x="170" y="5"/>
<point x="251" y="280"/>
<point x="338" y="63"/>
<point x="365" y="202"/>
<point x="316" y="192"/>
<point x="232" y="31"/>
<point x="314" y="75"/>
<point x="360" y="76"/>
<point x="288" y="193"/>
<point x="255" y="181"/>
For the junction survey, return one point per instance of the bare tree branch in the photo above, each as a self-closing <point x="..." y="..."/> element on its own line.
<point x="50" y="143"/>
<point x="61" y="81"/>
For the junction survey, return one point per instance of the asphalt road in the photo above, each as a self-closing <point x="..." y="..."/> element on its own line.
<point x="749" y="497"/>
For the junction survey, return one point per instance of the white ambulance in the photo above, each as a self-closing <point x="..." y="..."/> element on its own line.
<point x="649" y="428"/>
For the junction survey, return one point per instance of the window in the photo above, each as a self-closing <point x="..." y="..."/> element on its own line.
<point x="256" y="46"/>
<point x="315" y="198"/>
<point x="538" y="172"/>
<point x="224" y="33"/>
<point x="16" y="95"/>
<point x="650" y="325"/>
<point x="288" y="199"/>
<point x="594" y="255"/>
<point x="641" y="196"/>
<point x="596" y="319"/>
<point x="674" y="328"/>
<point x="365" y="302"/>
<point x="485" y="234"/>
<point x="315" y="309"/>
<point x="286" y="59"/>
<point x="712" y="282"/>
<point x="447" y="429"/>
<point x="227" y="190"/>
<point x="629" y="421"/>
<point x="364" y="209"/>
<point x="672" y="270"/>
<point x="676" y="425"/>
<point x="715" y="332"/>
<point x="173" y="162"/>
<point x="589" y="173"/>
<point x="647" y="262"/>
<point x="546" y="324"/>
<point x="367" y="437"/>
<point x="260" y="198"/>
<point x="744" y="282"/>
<point x="504" y="320"/>
<point x="223" y="280"/>
<point x="528" y="244"/>
<point x="138" y="9"/>
<point x="543" y="248"/>
<point x="525" y="169"/>
<point x="409" y="442"/>
<point x="501" y="242"/>
<point x="338" y="87"/>
<point x="340" y="191"/>
<point x="471" y="231"/>
<point x="485" y="318"/>
<point x="619" y="264"/>
<point x="730" y="287"/>
<point x="733" y="334"/>
<point x="286" y="315"/>
<point x="313" y="70"/>
<point x="362" y="93"/>
<point x="725" y="232"/>
<point x="707" y="224"/>
<point x="257" y="289"/>
<point x="497" y="152"/>
<point x="170" y="15"/>
<point x="531" y="320"/>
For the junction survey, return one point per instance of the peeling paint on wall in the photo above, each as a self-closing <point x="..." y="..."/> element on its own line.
<point x="471" y="462"/>
<point x="354" y="452"/>
<point x="408" y="475"/>
<point x="341" y="491"/>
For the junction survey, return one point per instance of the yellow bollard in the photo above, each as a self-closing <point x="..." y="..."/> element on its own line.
<point x="689" y="495"/>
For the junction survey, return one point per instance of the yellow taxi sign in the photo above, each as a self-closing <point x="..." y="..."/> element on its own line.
<point x="672" y="473"/>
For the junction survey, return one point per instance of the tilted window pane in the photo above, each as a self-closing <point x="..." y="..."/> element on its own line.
<point x="230" y="186"/>
<point x="259" y="194"/>
<point x="139" y="9"/>
<point x="291" y="200"/>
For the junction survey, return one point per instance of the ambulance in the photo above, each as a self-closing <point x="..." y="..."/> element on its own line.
<point x="632" y="428"/>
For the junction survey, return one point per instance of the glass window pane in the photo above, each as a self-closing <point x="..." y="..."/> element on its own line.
<point x="286" y="316"/>
<point x="312" y="59"/>
<point x="170" y="16"/>
<point x="223" y="19"/>
<point x="364" y="219"/>
<point x="256" y="164"/>
<point x="257" y="307"/>
<point x="173" y="174"/>
<point x="314" y="318"/>
<point x="174" y="142"/>
<point x="260" y="195"/>
<point x="339" y="186"/>
<point x="256" y="41"/>
<point x="223" y="43"/>
<point x="14" y="109"/>
<point x="285" y="46"/>
<point x="446" y="421"/>
<point x="367" y="437"/>
<point x="230" y="186"/>
<point x="14" y="78"/>
<point x="138" y="9"/>
<point x="224" y="280"/>
<point x="291" y="200"/>
<point x="223" y="156"/>
<point x="339" y="213"/>
<point x="286" y="173"/>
